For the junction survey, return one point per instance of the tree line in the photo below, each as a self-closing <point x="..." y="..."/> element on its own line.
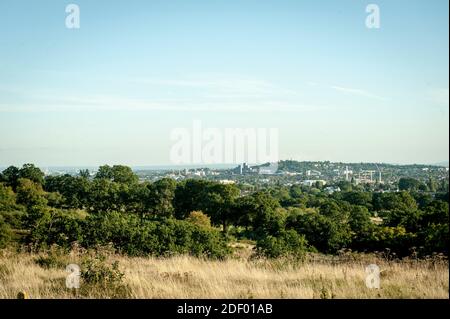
<point x="201" y="217"/>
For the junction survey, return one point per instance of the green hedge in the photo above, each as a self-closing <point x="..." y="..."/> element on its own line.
<point x="131" y="235"/>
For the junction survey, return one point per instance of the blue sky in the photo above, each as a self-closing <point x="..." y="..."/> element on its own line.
<point x="112" y="91"/>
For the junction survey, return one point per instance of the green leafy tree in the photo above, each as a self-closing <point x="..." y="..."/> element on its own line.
<point x="282" y="195"/>
<point x="117" y="173"/>
<point x="219" y="203"/>
<point x="409" y="184"/>
<point x="10" y="176"/>
<point x="436" y="239"/>
<point x="56" y="227"/>
<point x="362" y="227"/>
<point x="436" y="213"/>
<point x="434" y="233"/>
<point x="31" y="172"/>
<point x="104" y="196"/>
<point x="422" y="199"/>
<point x="199" y="218"/>
<point x="390" y="201"/>
<point x="359" y="220"/>
<point x="396" y="238"/>
<point x="124" y="175"/>
<point x="30" y="193"/>
<point x="325" y="233"/>
<point x="104" y="172"/>
<point x="358" y="198"/>
<point x="34" y="198"/>
<point x="409" y="219"/>
<point x="295" y="191"/>
<point x="135" y="198"/>
<point x="160" y="198"/>
<point x="7" y="198"/>
<point x="84" y="173"/>
<point x="261" y="211"/>
<point x="190" y="196"/>
<point x="74" y="189"/>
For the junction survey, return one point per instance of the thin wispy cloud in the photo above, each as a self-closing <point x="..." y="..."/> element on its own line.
<point x="119" y="103"/>
<point x="200" y="93"/>
<point x="358" y="92"/>
<point x="222" y="84"/>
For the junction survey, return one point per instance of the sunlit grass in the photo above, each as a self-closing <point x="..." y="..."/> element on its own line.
<point x="189" y="277"/>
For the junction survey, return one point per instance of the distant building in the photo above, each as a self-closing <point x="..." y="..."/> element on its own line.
<point x="199" y="173"/>
<point x="243" y="169"/>
<point x="311" y="172"/>
<point x="290" y="173"/>
<point x="331" y="189"/>
<point x="312" y="182"/>
<point x="226" y="181"/>
<point x="365" y="177"/>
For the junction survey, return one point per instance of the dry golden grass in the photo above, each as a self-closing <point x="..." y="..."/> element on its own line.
<point x="189" y="277"/>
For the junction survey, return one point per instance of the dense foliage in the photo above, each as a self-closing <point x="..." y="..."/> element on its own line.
<point x="199" y="217"/>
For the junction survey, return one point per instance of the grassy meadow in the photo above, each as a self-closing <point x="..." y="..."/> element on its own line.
<point x="43" y="275"/>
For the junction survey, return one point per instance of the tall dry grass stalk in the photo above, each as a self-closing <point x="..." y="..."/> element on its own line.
<point x="189" y="277"/>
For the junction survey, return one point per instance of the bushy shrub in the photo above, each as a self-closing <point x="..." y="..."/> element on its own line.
<point x="134" y="236"/>
<point x="97" y="271"/>
<point x="13" y="218"/>
<point x="397" y="239"/>
<point x="199" y="218"/>
<point x="208" y="243"/>
<point x="100" y="277"/>
<point x="409" y="219"/>
<point x="53" y="258"/>
<point x="326" y="233"/>
<point x="114" y="227"/>
<point x="287" y="243"/>
<point x="436" y="239"/>
<point x="30" y="193"/>
<point x="5" y="233"/>
<point x="7" y="198"/>
<point x="57" y="227"/>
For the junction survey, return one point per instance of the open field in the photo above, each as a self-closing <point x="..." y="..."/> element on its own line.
<point x="188" y="277"/>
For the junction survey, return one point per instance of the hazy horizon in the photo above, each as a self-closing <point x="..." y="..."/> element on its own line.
<point x="197" y="166"/>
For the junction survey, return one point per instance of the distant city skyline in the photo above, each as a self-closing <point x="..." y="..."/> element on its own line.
<point x="112" y="91"/>
<point x="93" y="168"/>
